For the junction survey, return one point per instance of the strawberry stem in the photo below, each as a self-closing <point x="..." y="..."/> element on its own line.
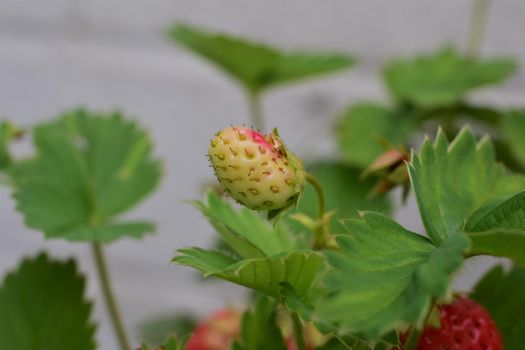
<point x="319" y="191"/>
<point x="413" y="339"/>
<point x="415" y="333"/>
<point x="478" y="21"/>
<point x="107" y="291"/>
<point x="256" y="114"/>
<point x="298" y="331"/>
<point x="321" y="234"/>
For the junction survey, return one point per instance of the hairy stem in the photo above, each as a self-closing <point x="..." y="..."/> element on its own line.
<point x="107" y="291"/>
<point x="478" y="21"/>
<point x="319" y="191"/>
<point x="256" y="114"/>
<point x="298" y="331"/>
<point x="321" y="235"/>
<point x="415" y="334"/>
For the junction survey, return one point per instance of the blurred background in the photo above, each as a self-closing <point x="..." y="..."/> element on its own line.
<point x="113" y="54"/>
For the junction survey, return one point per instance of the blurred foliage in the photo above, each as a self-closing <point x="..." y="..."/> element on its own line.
<point x="345" y="194"/>
<point x="8" y="132"/>
<point x="43" y="307"/>
<point x="155" y="331"/>
<point x="87" y="169"/>
<point x="364" y="131"/>
<point x="255" y="65"/>
<point x="442" y="78"/>
<point x="502" y="294"/>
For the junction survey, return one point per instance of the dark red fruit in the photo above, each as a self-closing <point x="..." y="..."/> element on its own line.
<point x="465" y="325"/>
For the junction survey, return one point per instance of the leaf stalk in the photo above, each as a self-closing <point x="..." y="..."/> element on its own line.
<point x="111" y="304"/>
<point x="256" y="113"/>
<point x="298" y="331"/>
<point x="321" y="234"/>
<point x="478" y="21"/>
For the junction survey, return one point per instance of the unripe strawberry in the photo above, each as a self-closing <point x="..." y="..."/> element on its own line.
<point x="256" y="169"/>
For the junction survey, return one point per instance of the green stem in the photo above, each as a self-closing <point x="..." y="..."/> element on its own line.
<point x="415" y="334"/>
<point x="478" y="21"/>
<point x="319" y="191"/>
<point x="255" y="106"/>
<point x="413" y="340"/>
<point x="298" y="331"/>
<point x="111" y="304"/>
<point x="321" y="234"/>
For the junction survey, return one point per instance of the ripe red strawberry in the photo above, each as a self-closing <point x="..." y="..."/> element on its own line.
<point x="465" y="325"/>
<point x="255" y="169"/>
<point x="224" y="327"/>
<point x="218" y="332"/>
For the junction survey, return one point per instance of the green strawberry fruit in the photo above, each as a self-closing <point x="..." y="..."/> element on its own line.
<point x="255" y="169"/>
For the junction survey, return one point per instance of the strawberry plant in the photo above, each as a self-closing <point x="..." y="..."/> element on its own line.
<point x="315" y="241"/>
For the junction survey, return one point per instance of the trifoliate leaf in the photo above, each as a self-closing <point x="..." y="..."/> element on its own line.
<point x="300" y="269"/>
<point x="384" y="275"/>
<point x="244" y="230"/>
<point x="255" y="65"/>
<point x="442" y="78"/>
<point x="503" y="295"/>
<point x="42" y="307"/>
<point x="88" y="168"/>
<point x="513" y="131"/>
<point x="363" y="129"/>
<point x="345" y="193"/>
<point x="452" y="181"/>
<point x="259" y="328"/>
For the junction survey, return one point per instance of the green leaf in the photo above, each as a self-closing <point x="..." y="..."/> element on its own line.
<point x="443" y="78"/>
<point x="88" y="168"/>
<point x="505" y="243"/>
<point x="8" y="132"/>
<point x="172" y="342"/>
<point x="499" y="229"/>
<point x="344" y="192"/>
<point x="42" y="307"/>
<point x="300" y="269"/>
<point x="384" y="275"/>
<point x="502" y="294"/>
<point x="452" y="181"/>
<point x="513" y="129"/>
<point x="255" y="65"/>
<point x="107" y="232"/>
<point x="259" y="328"/>
<point x="244" y="230"/>
<point x="508" y="214"/>
<point x="363" y="129"/>
<point x="154" y="331"/>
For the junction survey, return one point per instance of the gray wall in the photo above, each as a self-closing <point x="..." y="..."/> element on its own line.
<point x="57" y="54"/>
